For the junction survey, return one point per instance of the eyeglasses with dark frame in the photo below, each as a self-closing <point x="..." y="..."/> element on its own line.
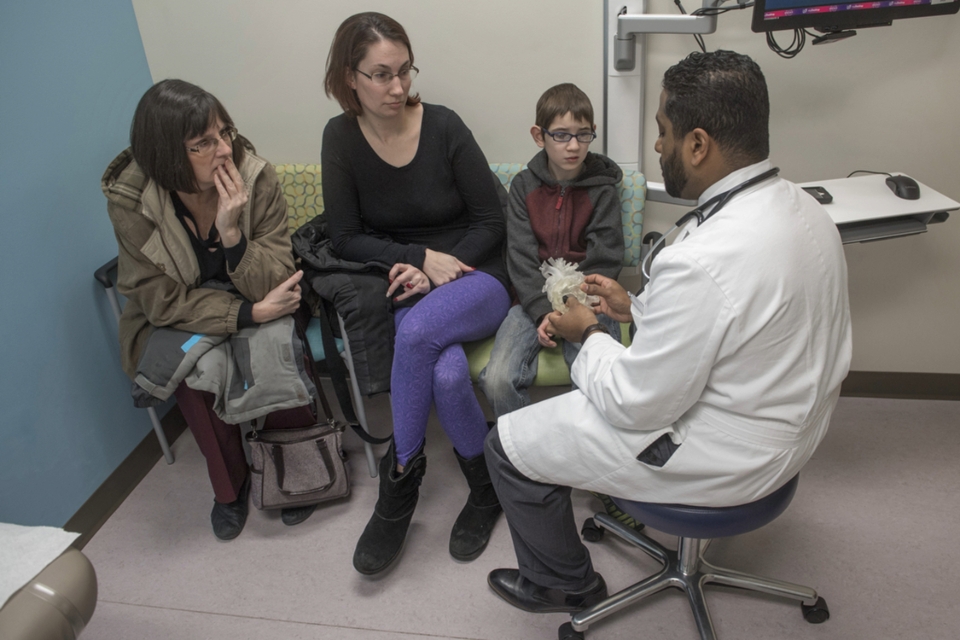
<point x="208" y="145"/>
<point x="584" y="137"/>
<point x="384" y="78"/>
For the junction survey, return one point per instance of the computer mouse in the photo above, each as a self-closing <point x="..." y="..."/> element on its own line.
<point x="904" y="187"/>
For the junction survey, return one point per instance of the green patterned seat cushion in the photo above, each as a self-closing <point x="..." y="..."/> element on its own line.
<point x="303" y="191"/>
<point x="552" y="371"/>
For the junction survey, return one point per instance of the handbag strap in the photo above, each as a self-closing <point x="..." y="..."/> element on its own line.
<point x="301" y="317"/>
<point x="338" y="375"/>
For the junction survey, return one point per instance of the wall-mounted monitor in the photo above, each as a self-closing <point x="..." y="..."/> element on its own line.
<point x="827" y="17"/>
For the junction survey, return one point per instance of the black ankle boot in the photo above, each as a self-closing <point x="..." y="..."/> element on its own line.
<point x="228" y="518"/>
<point x="383" y="537"/>
<point x="471" y="531"/>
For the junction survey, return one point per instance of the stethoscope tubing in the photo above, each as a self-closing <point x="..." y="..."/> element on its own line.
<point x="720" y="200"/>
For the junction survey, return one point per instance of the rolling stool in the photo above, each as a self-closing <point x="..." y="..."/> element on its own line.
<point x="685" y="568"/>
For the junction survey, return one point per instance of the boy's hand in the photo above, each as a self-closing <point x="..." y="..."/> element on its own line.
<point x="614" y="300"/>
<point x="542" y="336"/>
<point x="408" y="280"/>
<point x="570" y="324"/>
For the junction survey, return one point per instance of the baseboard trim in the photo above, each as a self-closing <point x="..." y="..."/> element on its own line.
<point x="124" y="479"/>
<point x="911" y="386"/>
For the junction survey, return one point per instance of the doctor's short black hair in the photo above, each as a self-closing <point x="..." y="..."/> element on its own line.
<point x="725" y="94"/>
<point x="170" y="113"/>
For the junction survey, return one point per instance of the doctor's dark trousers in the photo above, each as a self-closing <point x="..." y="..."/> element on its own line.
<point x="540" y="516"/>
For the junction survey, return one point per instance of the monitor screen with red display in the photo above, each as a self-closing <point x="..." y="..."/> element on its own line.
<point x="777" y="15"/>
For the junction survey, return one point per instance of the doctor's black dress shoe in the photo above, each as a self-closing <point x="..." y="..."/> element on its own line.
<point x="529" y="596"/>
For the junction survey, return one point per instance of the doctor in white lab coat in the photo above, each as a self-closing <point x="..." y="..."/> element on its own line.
<point x="742" y="340"/>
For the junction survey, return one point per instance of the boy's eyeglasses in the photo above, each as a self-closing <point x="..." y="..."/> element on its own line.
<point x="208" y="145"/>
<point x="584" y="137"/>
<point x="385" y="77"/>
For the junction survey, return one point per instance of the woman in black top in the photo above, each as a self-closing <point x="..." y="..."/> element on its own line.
<point x="404" y="183"/>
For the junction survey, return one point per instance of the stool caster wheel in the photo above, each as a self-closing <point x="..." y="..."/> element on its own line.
<point x="591" y="531"/>
<point x="566" y="632"/>
<point x="817" y="612"/>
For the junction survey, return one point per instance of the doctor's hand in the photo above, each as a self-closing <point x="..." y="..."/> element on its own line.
<point x="407" y="280"/>
<point x="614" y="299"/>
<point x="570" y="324"/>
<point x="442" y="268"/>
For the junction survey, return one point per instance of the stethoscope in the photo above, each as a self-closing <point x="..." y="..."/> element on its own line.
<point x="720" y="200"/>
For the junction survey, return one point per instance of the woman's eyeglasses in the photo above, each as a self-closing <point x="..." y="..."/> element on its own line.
<point x="208" y="145"/>
<point x="383" y="78"/>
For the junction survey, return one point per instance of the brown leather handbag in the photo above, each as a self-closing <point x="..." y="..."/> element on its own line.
<point x="297" y="467"/>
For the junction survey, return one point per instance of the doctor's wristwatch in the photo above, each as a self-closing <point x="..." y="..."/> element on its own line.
<point x="592" y="329"/>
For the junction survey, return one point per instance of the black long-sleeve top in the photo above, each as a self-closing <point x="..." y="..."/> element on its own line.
<point x="445" y="199"/>
<point x="213" y="258"/>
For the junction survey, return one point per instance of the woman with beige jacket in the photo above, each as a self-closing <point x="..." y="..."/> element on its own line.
<point x="201" y="229"/>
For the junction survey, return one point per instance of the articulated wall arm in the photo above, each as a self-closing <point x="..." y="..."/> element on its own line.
<point x="628" y="25"/>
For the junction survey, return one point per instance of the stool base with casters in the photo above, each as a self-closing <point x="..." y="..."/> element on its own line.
<point x="685" y="568"/>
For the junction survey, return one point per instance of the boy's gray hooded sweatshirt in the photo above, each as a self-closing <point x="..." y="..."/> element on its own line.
<point x="577" y="220"/>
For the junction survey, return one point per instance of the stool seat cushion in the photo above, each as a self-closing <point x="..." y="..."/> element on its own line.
<point x="711" y="522"/>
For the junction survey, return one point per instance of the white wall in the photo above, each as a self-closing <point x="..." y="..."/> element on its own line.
<point x="489" y="61"/>
<point x="884" y="100"/>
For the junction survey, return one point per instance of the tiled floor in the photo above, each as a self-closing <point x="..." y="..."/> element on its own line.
<point x="872" y="527"/>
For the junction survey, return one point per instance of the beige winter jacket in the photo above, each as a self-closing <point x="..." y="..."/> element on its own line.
<point x="158" y="271"/>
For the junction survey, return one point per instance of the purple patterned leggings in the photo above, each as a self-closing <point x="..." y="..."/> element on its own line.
<point x="429" y="365"/>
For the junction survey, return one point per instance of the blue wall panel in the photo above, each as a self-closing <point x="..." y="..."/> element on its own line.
<point x="71" y="74"/>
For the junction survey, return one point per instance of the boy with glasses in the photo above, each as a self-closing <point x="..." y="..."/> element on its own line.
<point x="563" y="205"/>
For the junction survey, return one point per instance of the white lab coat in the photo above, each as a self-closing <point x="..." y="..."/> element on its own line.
<point x="743" y="338"/>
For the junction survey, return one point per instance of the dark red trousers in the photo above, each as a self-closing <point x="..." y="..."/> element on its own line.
<point x="221" y="443"/>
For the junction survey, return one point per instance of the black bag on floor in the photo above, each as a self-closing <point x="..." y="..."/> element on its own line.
<point x="297" y="467"/>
